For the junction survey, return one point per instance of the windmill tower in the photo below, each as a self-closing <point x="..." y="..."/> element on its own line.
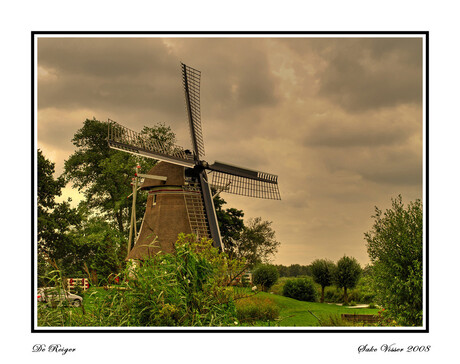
<point x="179" y="186"/>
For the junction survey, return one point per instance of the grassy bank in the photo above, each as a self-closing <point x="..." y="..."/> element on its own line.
<point x="298" y="313"/>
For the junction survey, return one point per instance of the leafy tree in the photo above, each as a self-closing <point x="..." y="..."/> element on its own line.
<point x="323" y="274"/>
<point x="395" y="247"/>
<point x="257" y="243"/>
<point x="231" y="225"/>
<point x="347" y="274"/>
<point x="54" y="220"/>
<point x="265" y="275"/>
<point x="104" y="175"/>
<point x="99" y="249"/>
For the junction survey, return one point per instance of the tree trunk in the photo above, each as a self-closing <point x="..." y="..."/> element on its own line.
<point x="94" y="277"/>
<point x="322" y="294"/>
<point x="119" y="218"/>
<point x="345" y="296"/>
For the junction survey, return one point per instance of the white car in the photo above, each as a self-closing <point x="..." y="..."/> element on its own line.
<point x="53" y="295"/>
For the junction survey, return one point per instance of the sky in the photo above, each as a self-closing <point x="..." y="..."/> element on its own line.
<point x="339" y="120"/>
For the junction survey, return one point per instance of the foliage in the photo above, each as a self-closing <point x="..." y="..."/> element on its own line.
<point x="256" y="308"/>
<point x="188" y="288"/>
<point x="347" y="274"/>
<point x="323" y="273"/>
<point x="395" y="247"/>
<point x="257" y="243"/>
<point x="302" y="289"/>
<point x="99" y="249"/>
<point x="254" y="242"/>
<point x="231" y="225"/>
<point x="104" y="175"/>
<point x="293" y="270"/>
<point x="54" y="220"/>
<point x="265" y="275"/>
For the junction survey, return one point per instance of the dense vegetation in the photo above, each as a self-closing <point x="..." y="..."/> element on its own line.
<point x="188" y="288"/>
<point x="395" y="246"/>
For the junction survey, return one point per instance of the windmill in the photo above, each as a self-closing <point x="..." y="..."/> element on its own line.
<point x="179" y="186"/>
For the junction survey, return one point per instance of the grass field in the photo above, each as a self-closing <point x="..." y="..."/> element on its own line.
<point x="298" y="313"/>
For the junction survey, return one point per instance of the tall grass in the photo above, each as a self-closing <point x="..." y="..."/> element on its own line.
<point x="187" y="288"/>
<point x="252" y="309"/>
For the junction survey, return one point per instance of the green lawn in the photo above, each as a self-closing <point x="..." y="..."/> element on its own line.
<point x="298" y="313"/>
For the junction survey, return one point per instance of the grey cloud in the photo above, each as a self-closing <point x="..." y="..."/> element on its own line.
<point x="357" y="134"/>
<point x="237" y="74"/>
<point x="105" y="57"/>
<point x="360" y="74"/>
<point x="382" y="165"/>
<point x="367" y="74"/>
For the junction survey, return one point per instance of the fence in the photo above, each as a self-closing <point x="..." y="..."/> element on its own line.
<point x="74" y="282"/>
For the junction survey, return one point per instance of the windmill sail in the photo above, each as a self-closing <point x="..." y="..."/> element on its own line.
<point x="243" y="181"/>
<point x="191" y="81"/>
<point x="127" y="140"/>
<point x="210" y="211"/>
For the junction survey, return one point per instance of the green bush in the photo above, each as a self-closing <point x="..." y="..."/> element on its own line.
<point x="252" y="309"/>
<point x="302" y="289"/>
<point x="265" y="275"/>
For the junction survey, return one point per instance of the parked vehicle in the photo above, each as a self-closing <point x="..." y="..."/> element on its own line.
<point x="53" y="295"/>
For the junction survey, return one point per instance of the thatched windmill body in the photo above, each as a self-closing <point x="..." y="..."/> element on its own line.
<point x="179" y="187"/>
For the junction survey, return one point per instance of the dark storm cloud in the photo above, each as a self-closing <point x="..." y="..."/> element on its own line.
<point x="383" y="165"/>
<point x="361" y="74"/>
<point x="104" y="57"/>
<point x="108" y="73"/>
<point x="365" y="74"/>
<point x="343" y="133"/>
<point x="144" y="74"/>
<point x="237" y="75"/>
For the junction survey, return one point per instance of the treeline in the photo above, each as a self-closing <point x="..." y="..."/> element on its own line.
<point x="293" y="270"/>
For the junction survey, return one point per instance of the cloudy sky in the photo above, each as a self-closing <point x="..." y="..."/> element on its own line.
<point x="339" y="120"/>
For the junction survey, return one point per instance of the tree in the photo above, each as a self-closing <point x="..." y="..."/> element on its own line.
<point x="347" y="274"/>
<point x="323" y="274"/>
<point x="395" y="247"/>
<point x="257" y="243"/>
<point x="99" y="249"/>
<point x="283" y="271"/>
<point x="54" y="220"/>
<point x="231" y="225"/>
<point x="104" y="175"/>
<point x="265" y="275"/>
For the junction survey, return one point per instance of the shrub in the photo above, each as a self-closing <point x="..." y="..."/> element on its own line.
<point x="265" y="275"/>
<point x="302" y="289"/>
<point x="395" y="246"/>
<point x="251" y="309"/>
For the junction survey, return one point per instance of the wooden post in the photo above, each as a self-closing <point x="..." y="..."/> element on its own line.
<point x="133" y="212"/>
